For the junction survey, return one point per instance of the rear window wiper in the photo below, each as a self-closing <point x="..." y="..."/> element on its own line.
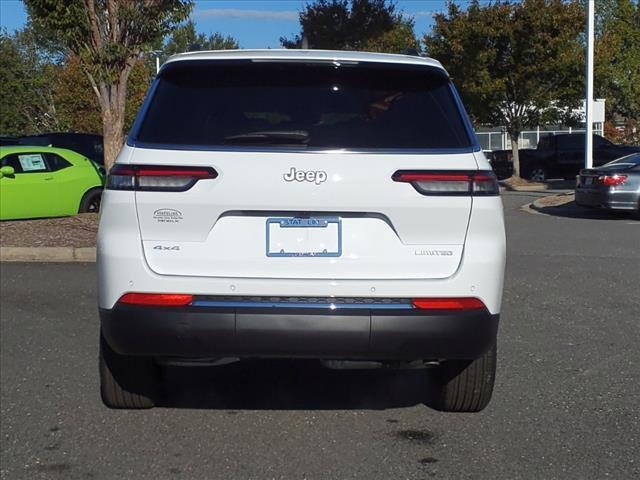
<point x="270" y="137"/>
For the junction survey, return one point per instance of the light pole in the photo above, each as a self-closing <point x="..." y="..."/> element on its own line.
<point x="155" y="53"/>
<point x="588" y="145"/>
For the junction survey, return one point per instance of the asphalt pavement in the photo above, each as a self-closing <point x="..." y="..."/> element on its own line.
<point x="566" y="403"/>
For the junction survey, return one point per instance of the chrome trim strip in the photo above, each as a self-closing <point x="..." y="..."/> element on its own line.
<point x="329" y="306"/>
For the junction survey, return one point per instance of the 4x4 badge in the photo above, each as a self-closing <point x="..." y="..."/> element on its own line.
<point x="314" y="176"/>
<point x="166" y="247"/>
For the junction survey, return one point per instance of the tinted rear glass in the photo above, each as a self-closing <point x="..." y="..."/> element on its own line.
<point x="633" y="159"/>
<point x="303" y="104"/>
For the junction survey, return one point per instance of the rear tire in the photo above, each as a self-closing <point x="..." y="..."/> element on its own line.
<point x="467" y="385"/>
<point x="537" y="174"/>
<point x="127" y="381"/>
<point x="90" y="202"/>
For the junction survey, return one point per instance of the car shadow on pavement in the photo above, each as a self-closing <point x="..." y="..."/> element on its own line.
<point x="559" y="184"/>
<point x="572" y="210"/>
<point x="293" y="385"/>
<point x="550" y="186"/>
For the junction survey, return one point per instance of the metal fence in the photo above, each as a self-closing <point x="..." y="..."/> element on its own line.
<point x="499" y="140"/>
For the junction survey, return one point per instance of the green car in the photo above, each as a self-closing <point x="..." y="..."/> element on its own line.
<point x="38" y="182"/>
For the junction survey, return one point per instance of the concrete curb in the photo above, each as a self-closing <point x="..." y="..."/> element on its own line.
<point x="526" y="188"/>
<point x="529" y="188"/>
<point x="47" y="254"/>
<point x="529" y="209"/>
<point x="539" y="206"/>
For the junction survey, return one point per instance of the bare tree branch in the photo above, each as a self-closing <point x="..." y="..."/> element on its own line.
<point x="112" y="13"/>
<point x="93" y="23"/>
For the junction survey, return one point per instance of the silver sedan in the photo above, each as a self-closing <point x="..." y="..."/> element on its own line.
<point x="615" y="185"/>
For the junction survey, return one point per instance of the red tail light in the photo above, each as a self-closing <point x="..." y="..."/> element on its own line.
<point x="156" y="178"/>
<point x="464" y="303"/>
<point x="450" y="183"/>
<point x="612" y="180"/>
<point x="157" y="299"/>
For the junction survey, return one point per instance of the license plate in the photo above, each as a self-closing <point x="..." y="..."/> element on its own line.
<point x="588" y="180"/>
<point x="304" y="237"/>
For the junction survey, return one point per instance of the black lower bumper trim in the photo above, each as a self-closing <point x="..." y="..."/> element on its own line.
<point x="298" y="333"/>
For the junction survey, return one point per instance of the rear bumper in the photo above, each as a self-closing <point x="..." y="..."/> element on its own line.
<point x="610" y="199"/>
<point x="298" y="333"/>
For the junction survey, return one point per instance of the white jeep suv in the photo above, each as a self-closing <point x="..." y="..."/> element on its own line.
<point x="301" y="204"/>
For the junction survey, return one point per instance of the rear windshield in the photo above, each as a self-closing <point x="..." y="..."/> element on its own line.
<point x="633" y="159"/>
<point x="319" y="105"/>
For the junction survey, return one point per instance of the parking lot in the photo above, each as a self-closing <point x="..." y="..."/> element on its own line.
<point x="565" y="404"/>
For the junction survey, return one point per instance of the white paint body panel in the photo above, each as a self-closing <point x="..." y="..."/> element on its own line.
<point x="122" y="266"/>
<point x="389" y="230"/>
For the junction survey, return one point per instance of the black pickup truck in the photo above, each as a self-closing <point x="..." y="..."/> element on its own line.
<point x="557" y="156"/>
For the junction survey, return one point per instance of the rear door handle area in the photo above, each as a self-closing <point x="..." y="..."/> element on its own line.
<point x="48" y="178"/>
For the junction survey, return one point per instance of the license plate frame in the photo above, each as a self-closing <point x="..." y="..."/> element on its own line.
<point x="302" y="223"/>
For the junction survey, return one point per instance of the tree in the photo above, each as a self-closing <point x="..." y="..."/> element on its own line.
<point x="401" y="37"/>
<point x="26" y="77"/>
<point x="344" y="25"/>
<point x="515" y="64"/>
<point x="185" y="38"/>
<point x="617" y="58"/>
<point x="108" y="37"/>
<point x="77" y="108"/>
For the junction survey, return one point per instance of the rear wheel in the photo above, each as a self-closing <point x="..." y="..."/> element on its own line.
<point x="127" y="381"/>
<point x="538" y="174"/>
<point x="466" y="385"/>
<point x="90" y="202"/>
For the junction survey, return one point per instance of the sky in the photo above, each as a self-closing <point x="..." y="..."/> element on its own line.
<point x="254" y="23"/>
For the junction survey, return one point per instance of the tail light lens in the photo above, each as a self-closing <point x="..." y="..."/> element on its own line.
<point x="157" y="299"/>
<point x="612" y="180"/>
<point x="476" y="183"/>
<point x="156" y="178"/>
<point x="464" y="303"/>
